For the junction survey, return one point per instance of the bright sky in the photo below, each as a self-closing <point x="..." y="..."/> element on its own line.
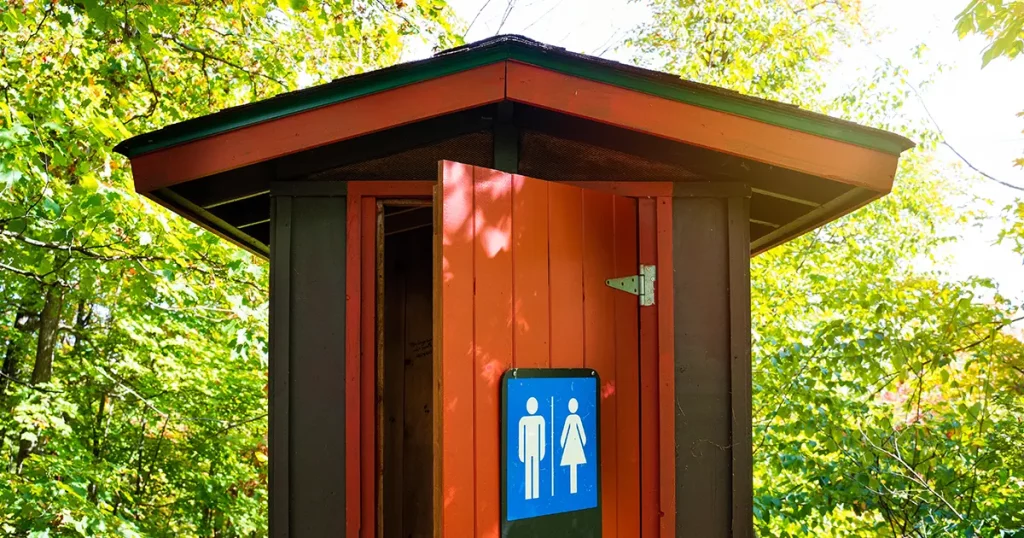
<point x="976" y="108"/>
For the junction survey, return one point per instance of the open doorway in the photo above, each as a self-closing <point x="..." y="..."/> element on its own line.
<point x="405" y="368"/>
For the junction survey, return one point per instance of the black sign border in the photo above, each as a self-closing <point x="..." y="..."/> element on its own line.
<point x="577" y="524"/>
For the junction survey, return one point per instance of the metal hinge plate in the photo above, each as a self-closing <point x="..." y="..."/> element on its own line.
<point x="641" y="285"/>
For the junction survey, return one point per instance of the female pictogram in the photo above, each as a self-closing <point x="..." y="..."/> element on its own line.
<point x="572" y="443"/>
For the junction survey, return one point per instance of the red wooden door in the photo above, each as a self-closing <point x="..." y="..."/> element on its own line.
<point x="520" y="274"/>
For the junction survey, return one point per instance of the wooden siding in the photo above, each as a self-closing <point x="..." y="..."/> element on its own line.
<point x="712" y="363"/>
<point x="539" y="254"/>
<point x="307" y="367"/>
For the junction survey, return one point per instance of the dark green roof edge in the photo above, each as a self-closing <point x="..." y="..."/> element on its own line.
<point x="728" y="101"/>
<point x="496" y="50"/>
<point x="303" y="100"/>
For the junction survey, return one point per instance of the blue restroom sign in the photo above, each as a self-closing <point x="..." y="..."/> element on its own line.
<point x="550" y="457"/>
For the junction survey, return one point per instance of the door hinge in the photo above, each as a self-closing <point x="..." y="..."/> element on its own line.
<point x="641" y="285"/>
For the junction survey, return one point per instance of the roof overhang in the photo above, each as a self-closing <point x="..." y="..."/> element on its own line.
<point x="752" y="130"/>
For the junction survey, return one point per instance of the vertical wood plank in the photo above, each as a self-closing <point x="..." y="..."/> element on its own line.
<point x="454" y="352"/>
<point x="565" y="214"/>
<point x="493" y="329"/>
<point x="599" y="338"/>
<point x="391" y="389"/>
<point x="702" y="377"/>
<point x="666" y="369"/>
<point x="438" y="506"/>
<point x="280" y="360"/>
<point x="317" y="367"/>
<point x="418" y="364"/>
<point x="368" y="330"/>
<point x="530" y="272"/>
<point x="353" y="241"/>
<point x="739" y="344"/>
<point x="649" y="432"/>
<point x="627" y="374"/>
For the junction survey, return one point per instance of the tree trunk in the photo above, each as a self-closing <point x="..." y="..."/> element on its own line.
<point x="9" y="366"/>
<point x="8" y="372"/>
<point x="49" y="322"/>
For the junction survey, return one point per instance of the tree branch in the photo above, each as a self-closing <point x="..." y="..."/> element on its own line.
<point x="913" y="476"/>
<point x="29" y="385"/>
<point x="207" y="54"/>
<point x="946" y="143"/>
<point x="89" y="252"/>
<point x="34" y="276"/>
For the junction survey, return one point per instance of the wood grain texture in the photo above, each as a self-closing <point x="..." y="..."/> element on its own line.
<point x="279" y="478"/>
<point x="454" y="351"/>
<point x="599" y="337"/>
<point x="418" y="429"/>
<point x="649" y="431"/>
<point x="627" y="374"/>
<point x="368" y="365"/>
<point x="531" y="284"/>
<point x="703" y="420"/>
<point x="718" y="131"/>
<point x="565" y="265"/>
<point x="541" y="253"/>
<point x="666" y="368"/>
<point x="493" y="330"/>
<point x="738" y="209"/>
<point x="407" y="383"/>
<point x="391" y="389"/>
<point x="353" y="242"/>
<point x="317" y="368"/>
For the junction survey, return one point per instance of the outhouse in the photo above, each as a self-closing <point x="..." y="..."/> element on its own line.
<point x="433" y="224"/>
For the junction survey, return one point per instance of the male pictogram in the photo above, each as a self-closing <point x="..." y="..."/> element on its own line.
<point x="532" y="447"/>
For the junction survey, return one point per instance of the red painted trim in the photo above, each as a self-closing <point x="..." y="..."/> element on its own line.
<point x="650" y="485"/>
<point x="635" y="189"/>
<point x="630" y="440"/>
<point x="718" y="131"/>
<point x="352" y="420"/>
<point x="666" y="368"/>
<point x="318" y="127"/>
<point x="368" y="370"/>
<point x="392" y="189"/>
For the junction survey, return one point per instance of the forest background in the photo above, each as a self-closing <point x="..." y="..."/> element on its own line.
<point x="888" y="391"/>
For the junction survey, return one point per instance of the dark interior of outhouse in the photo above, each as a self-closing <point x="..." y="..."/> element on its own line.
<point x="405" y="367"/>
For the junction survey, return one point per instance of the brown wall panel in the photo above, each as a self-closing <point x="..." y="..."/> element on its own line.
<point x="307" y="367"/>
<point x="712" y="364"/>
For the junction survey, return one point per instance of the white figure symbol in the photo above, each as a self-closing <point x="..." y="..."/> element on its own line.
<point x="532" y="447"/>
<point x="573" y="441"/>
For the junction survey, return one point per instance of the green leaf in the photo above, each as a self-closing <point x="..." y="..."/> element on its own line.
<point x="51" y="206"/>
<point x="8" y="177"/>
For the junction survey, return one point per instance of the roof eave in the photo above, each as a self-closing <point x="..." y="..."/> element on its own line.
<point x="450" y="62"/>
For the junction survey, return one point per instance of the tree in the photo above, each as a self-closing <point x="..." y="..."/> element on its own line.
<point x="1001" y="22"/>
<point x="765" y="48"/>
<point x="887" y="396"/>
<point x="133" y="344"/>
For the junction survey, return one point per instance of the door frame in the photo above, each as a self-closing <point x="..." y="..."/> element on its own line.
<point x="656" y="339"/>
